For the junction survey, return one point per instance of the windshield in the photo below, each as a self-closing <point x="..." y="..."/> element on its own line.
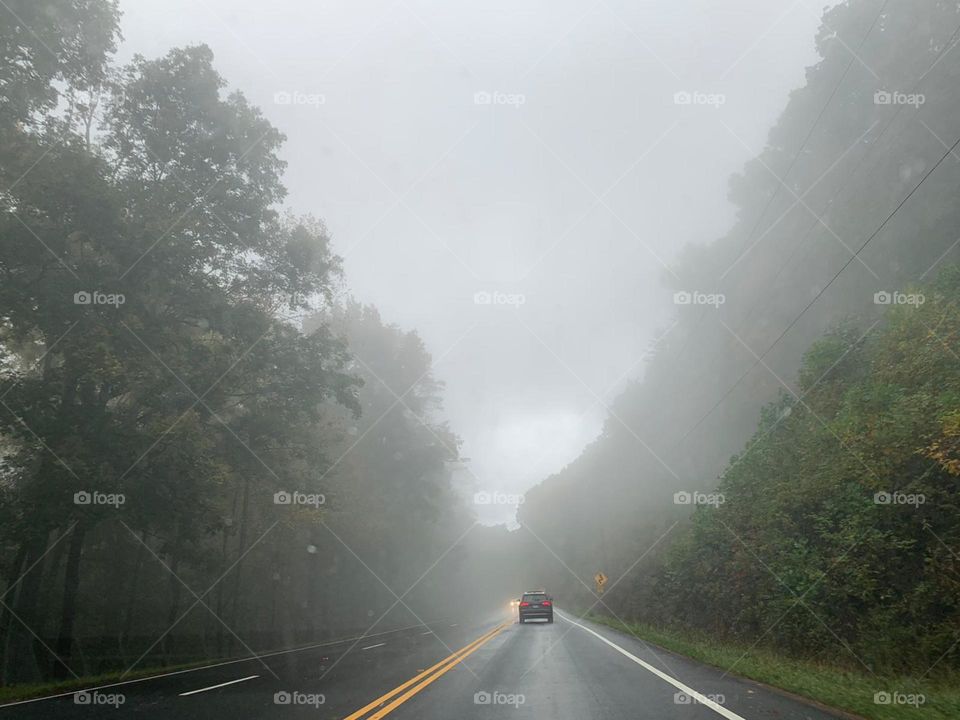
<point x="325" y="327"/>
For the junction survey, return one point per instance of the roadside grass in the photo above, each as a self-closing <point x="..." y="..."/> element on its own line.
<point x="14" y="693"/>
<point x="832" y="686"/>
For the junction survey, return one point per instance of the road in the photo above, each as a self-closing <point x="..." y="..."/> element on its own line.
<point x="568" y="670"/>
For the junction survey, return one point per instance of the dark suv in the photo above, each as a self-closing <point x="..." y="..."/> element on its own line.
<point x="536" y="604"/>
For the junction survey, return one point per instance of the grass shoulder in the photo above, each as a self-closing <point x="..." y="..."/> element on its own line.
<point x="834" y="687"/>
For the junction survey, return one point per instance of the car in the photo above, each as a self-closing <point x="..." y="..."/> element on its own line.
<point x="536" y="604"/>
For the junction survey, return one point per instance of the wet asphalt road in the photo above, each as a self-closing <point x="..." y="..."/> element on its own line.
<point x="568" y="670"/>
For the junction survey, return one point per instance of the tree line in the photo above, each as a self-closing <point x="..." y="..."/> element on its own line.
<point x="851" y="203"/>
<point x="835" y="529"/>
<point x="208" y="448"/>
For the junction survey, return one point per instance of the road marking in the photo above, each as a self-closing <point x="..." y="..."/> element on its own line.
<point x="432" y="678"/>
<point x="702" y="699"/>
<point x="428" y="632"/>
<point x="449" y="661"/>
<point x="214" y="687"/>
<point x="371" y="647"/>
<point x="207" y="667"/>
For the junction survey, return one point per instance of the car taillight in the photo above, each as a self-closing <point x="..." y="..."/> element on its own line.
<point x="546" y="603"/>
<point x="524" y="604"/>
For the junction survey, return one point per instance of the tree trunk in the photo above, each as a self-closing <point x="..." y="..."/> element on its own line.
<point x="21" y="665"/>
<point x="68" y="613"/>
<point x="132" y="595"/>
<point x="314" y="581"/>
<point x="237" y="586"/>
<point x="175" y="587"/>
<point x="111" y="602"/>
<point x="218" y="626"/>
<point x="6" y="619"/>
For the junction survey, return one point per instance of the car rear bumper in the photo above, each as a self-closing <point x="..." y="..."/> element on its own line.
<point x="537" y="614"/>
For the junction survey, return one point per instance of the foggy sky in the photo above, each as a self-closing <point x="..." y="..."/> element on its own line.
<point x="572" y="191"/>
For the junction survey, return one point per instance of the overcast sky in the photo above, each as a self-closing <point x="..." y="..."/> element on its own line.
<point x="534" y="152"/>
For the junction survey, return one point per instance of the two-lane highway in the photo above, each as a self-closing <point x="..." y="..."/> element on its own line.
<point x="568" y="670"/>
<point x="576" y="670"/>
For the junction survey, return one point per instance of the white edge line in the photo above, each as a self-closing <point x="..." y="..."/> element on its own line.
<point x="371" y="647"/>
<point x="214" y="687"/>
<point x="203" y="667"/>
<point x="702" y="699"/>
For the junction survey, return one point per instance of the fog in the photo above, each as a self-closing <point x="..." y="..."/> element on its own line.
<point x="576" y="194"/>
<point x="324" y="322"/>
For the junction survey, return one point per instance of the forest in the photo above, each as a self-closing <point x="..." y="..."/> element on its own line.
<point x="825" y="384"/>
<point x="208" y="446"/>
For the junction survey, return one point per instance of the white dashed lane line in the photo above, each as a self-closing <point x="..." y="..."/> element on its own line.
<point x="371" y="647"/>
<point x="158" y="676"/>
<point x="214" y="687"/>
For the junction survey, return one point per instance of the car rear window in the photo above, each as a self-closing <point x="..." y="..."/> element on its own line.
<point x="534" y="598"/>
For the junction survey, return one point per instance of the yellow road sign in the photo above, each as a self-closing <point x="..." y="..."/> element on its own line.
<point x="600" y="579"/>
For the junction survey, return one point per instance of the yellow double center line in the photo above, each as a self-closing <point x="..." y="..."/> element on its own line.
<point x="420" y="681"/>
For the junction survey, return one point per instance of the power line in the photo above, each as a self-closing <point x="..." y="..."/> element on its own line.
<point x="816" y="122"/>
<point x="824" y="289"/>
<point x="947" y="47"/>
<point x="793" y="162"/>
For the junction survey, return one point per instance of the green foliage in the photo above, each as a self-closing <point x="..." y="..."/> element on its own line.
<point x="47" y="44"/>
<point x="807" y="552"/>
<point x="196" y="399"/>
<point x="799" y="496"/>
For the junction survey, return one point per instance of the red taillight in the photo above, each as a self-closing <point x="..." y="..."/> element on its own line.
<point x="546" y="603"/>
<point x="524" y="604"/>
